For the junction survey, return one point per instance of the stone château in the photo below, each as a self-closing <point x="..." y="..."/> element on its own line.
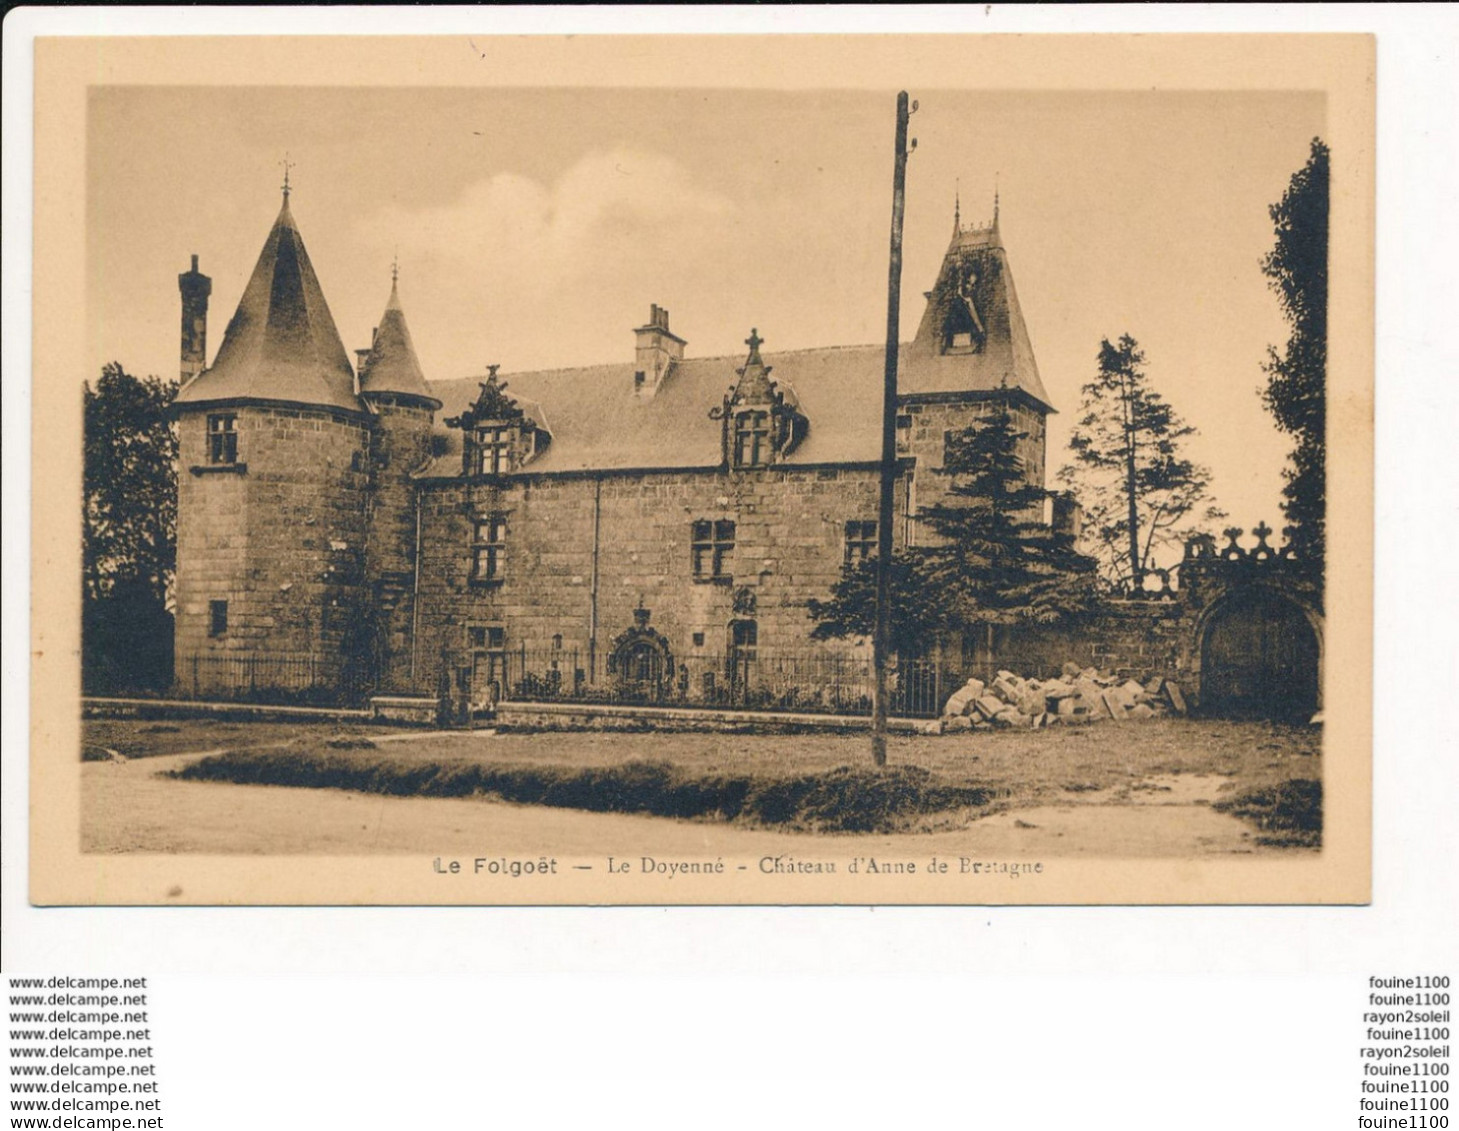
<point x="647" y="520"/>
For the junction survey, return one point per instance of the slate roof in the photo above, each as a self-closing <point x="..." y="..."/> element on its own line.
<point x="1007" y="351"/>
<point x="281" y="344"/>
<point x="597" y="423"/>
<point x="392" y="366"/>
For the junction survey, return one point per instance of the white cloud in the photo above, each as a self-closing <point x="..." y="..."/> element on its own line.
<point x="535" y="275"/>
<point x="539" y="238"/>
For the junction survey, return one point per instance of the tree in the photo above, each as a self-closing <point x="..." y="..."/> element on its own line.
<point x="129" y="531"/>
<point x="851" y="611"/>
<point x="1296" y="391"/>
<point x="996" y="561"/>
<point x="129" y="520"/>
<point x="1129" y="469"/>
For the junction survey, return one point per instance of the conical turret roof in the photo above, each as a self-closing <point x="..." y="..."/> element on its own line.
<point x="392" y="366"/>
<point x="281" y="345"/>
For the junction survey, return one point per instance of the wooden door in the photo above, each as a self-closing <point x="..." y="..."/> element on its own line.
<point x="1259" y="659"/>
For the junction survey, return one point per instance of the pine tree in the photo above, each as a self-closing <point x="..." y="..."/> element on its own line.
<point x="1296" y="392"/>
<point x="1129" y="469"/>
<point x="851" y="611"/>
<point x="996" y="562"/>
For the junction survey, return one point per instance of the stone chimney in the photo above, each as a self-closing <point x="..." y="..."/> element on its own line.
<point x="656" y="352"/>
<point x="195" y="288"/>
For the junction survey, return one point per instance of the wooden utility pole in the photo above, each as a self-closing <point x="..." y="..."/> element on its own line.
<point x="879" y="640"/>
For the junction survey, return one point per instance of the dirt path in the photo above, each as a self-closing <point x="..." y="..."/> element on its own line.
<point x="128" y="807"/>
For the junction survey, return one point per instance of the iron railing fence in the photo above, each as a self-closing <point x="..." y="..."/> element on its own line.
<point x="281" y="678"/>
<point x="811" y="682"/>
<point x="749" y="679"/>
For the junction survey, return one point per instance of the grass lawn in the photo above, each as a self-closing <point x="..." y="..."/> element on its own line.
<point x="816" y="780"/>
<point x="149" y="738"/>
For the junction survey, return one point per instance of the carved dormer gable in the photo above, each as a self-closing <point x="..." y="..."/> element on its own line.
<point x="971" y="309"/>
<point x="762" y="420"/>
<point x="499" y="434"/>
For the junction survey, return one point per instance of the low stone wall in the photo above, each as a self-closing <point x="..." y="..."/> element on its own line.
<point x="602" y="716"/>
<point x="114" y="708"/>
<point x="405" y="709"/>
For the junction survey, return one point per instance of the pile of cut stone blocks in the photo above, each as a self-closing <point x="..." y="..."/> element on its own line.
<point x="1077" y="695"/>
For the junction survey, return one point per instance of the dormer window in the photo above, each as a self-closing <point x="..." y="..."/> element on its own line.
<point x="494" y="450"/>
<point x="501" y="434"/>
<point x="967" y="302"/>
<point x="762" y="418"/>
<point x="752" y="439"/>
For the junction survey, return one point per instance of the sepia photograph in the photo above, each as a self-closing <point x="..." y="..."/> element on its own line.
<point x="579" y="492"/>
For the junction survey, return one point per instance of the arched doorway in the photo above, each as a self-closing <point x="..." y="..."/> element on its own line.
<point x="1259" y="659"/>
<point x="641" y="663"/>
<point x="642" y="668"/>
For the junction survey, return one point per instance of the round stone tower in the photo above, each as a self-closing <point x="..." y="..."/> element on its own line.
<point x="396" y="393"/>
<point x="274" y="453"/>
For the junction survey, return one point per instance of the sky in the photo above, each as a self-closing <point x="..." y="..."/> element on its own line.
<point x="533" y="228"/>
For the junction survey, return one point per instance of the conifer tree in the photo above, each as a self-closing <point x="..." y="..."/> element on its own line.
<point x="1129" y="469"/>
<point x="1296" y="392"/>
<point x="995" y="561"/>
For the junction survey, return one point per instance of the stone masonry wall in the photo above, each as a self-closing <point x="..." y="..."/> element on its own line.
<point x="283" y="542"/>
<point x="789" y="547"/>
<point x="926" y="441"/>
<point x="1131" y="638"/>
<point x="400" y="445"/>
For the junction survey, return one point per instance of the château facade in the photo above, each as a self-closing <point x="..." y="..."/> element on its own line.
<point x="654" y="519"/>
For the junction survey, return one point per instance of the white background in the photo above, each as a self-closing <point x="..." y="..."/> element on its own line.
<point x="1131" y="1017"/>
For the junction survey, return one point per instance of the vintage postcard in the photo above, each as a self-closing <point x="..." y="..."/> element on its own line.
<point x="703" y="470"/>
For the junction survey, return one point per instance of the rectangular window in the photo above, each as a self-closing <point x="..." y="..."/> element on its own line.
<point x="217" y="618"/>
<point x="904" y="431"/>
<point x="860" y="541"/>
<point x="713" y="549"/>
<point x="493" y="451"/>
<point x="752" y="439"/>
<point x="223" y="438"/>
<point x="486" y="637"/>
<point x="488" y="548"/>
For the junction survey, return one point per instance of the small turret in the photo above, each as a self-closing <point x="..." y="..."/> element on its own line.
<point x="392" y="384"/>
<point x="195" y="288"/>
<point x="390" y="365"/>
